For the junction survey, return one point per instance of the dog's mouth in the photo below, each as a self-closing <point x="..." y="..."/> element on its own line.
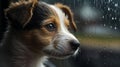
<point x="57" y="54"/>
<point x="60" y="51"/>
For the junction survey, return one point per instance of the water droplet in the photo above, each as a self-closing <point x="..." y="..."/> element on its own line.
<point x="115" y="11"/>
<point x="113" y="18"/>
<point x="115" y="28"/>
<point x="104" y="25"/>
<point x="103" y="16"/>
<point x="116" y="5"/>
<point x="108" y="9"/>
<point x="109" y="0"/>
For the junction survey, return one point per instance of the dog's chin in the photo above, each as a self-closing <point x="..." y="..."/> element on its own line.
<point x="58" y="54"/>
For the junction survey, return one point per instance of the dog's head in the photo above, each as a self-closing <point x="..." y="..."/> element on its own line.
<point x="44" y="28"/>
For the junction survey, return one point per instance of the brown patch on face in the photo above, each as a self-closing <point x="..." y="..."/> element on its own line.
<point x="51" y="19"/>
<point x="37" y="39"/>
<point x="69" y="13"/>
<point x="67" y="24"/>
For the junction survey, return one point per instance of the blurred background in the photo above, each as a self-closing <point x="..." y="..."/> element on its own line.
<point x="98" y="23"/>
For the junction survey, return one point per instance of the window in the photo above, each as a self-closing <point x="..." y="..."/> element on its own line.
<point x="98" y="23"/>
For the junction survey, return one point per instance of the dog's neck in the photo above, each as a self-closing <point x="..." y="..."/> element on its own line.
<point x="18" y="55"/>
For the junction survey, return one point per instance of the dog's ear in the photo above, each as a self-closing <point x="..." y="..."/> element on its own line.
<point x="20" y="12"/>
<point x="69" y="14"/>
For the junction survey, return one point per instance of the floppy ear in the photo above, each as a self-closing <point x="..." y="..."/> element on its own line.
<point x="69" y="13"/>
<point x="20" y="13"/>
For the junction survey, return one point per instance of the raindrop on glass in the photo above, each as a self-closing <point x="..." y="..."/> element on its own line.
<point x="113" y="18"/>
<point x="115" y="28"/>
<point x="104" y="25"/>
<point x="116" y="4"/>
<point x="109" y="0"/>
<point x="103" y="17"/>
<point x="108" y="9"/>
<point x="115" y="11"/>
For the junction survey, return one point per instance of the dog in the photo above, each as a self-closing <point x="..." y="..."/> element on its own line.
<point x="37" y="31"/>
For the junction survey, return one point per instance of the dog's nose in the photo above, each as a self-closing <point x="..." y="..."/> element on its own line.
<point x="74" y="44"/>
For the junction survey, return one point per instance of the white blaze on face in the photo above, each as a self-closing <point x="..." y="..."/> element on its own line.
<point x="63" y="28"/>
<point x="61" y="42"/>
<point x="61" y="16"/>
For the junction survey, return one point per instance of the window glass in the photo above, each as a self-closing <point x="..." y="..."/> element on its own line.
<point x="98" y="24"/>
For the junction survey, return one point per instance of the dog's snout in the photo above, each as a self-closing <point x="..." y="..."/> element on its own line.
<point x="74" y="44"/>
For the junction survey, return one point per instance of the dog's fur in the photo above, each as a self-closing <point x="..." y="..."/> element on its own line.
<point x="37" y="30"/>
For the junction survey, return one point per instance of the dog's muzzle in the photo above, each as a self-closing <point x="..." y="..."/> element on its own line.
<point x="62" y="46"/>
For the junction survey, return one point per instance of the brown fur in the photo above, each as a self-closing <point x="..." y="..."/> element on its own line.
<point x="22" y="6"/>
<point x="69" y="13"/>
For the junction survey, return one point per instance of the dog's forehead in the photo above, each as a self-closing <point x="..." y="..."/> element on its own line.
<point x="43" y="11"/>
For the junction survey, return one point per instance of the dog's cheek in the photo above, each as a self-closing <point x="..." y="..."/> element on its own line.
<point x="42" y="38"/>
<point x="37" y="39"/>
<point x="34" y="41"/>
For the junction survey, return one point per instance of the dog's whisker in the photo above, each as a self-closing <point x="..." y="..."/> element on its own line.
<point x="60" y="48"/>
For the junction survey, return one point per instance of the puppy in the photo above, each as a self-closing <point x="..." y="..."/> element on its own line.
<point x="36" y="31"/>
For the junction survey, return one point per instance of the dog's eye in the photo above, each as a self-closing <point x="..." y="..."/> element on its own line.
<point x="51" y="27"/>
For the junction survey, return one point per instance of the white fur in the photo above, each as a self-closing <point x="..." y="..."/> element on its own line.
<point x="62" y="17"/>
<point x="76" y="52"/>
<point x="41" y="61"/>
